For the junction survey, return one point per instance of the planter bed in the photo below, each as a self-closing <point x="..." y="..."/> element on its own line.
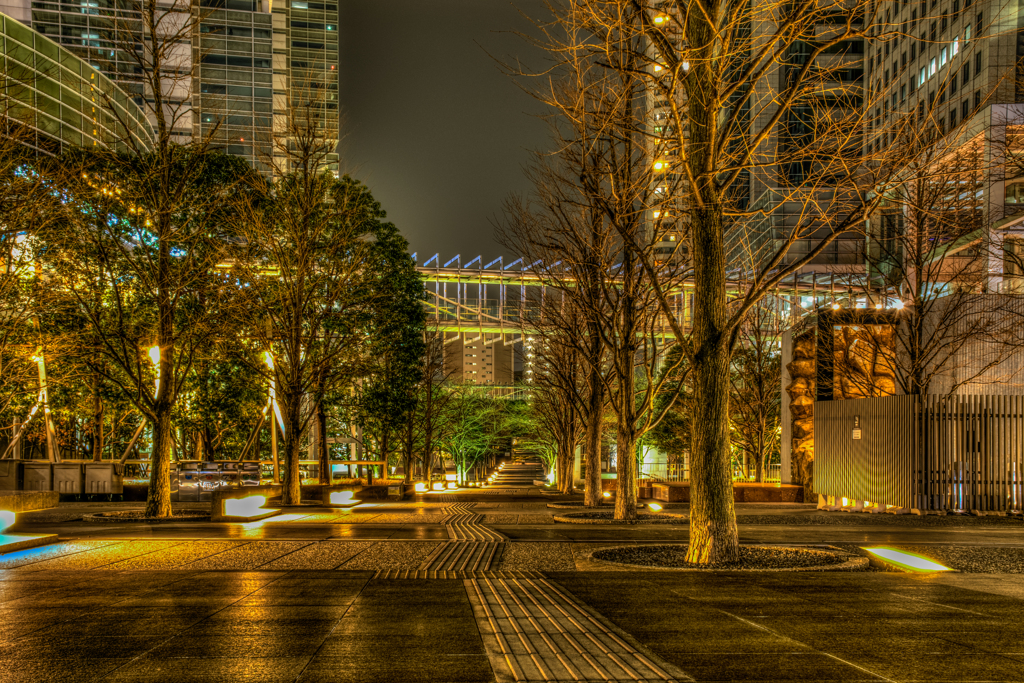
<point x="752" y="558"/>
<point x="607" y="517"/>
<point x="137" y="516"/>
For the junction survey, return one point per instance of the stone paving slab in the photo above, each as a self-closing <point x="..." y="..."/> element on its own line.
<point x="34" y="555"/>
<point x="247" y="556"/>
<point x="173" y="557"/>
<point x="322" y="555"/>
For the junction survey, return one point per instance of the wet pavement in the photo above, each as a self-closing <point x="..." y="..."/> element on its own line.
<point x="488" y="588"/>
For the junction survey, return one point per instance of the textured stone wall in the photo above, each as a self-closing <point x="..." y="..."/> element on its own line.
<point x="801" y="392"/>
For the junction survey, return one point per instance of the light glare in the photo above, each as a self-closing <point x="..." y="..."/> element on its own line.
<point x="909" y="561"/>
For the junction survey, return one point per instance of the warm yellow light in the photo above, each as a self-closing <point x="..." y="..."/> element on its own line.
<point x="421" y="487"/>
<point x="6" y="520"/>
<point x="909" y="561"/>
<point x="657" y="67"/>
<point x="898" y="305"/>
<point x="341" y="497"/>
<point x="438" y="486"/>
<point x="451" y="477"/>
<point x="154" y="355"/>
<point x="835" y="306"/>
<point x="607" y="494"/>
<point x="453" y="484"/>
<point x="244" y="507"/>
<point x="268" y="358"/>
<point x="654" y="506"/>
<point x="658" y="165"/>
<point x="661" y="19"/>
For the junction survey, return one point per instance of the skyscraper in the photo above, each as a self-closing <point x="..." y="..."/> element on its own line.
<point x="250" y="67"/>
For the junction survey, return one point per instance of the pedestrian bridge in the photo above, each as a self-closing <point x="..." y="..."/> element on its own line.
<point x="477" y="298"/>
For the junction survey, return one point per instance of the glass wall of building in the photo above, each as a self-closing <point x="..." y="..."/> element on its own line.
<point x="60" y="98"/>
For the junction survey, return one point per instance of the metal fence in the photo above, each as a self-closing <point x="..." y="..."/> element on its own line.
<point x="931" y="452"/>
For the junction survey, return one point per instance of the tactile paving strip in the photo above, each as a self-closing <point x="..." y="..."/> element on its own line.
<point x="452" y="574"/>
<point x="533" y="631"/>
<point x="472" y="556"/>
<point x="467" y="527"/>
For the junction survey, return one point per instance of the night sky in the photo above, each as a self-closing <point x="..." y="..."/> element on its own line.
<point x="430" y="123"/>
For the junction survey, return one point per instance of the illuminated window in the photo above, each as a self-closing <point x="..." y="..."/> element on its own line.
<point x="931" y="68"/>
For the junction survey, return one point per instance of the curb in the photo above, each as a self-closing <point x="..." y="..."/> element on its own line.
<point x="671" y="519"/>
<point x="115" y="518"/>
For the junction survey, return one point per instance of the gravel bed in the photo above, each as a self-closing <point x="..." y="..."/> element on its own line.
<point x="140" y="516"/>
<point x="176" y="556"/>
<point x="752" y="558"/>
<point x="967" y="559"/>
<point x="500" y="519"/>
<point x="320" y="555"/>
<point x="15" y="560"/>
<point x="601" y="517"/>
<point x="248" y="556"/>
<point x="403" y="518"/>
<point x="537" y="557"/>
<point x="866" y="519"/>
<point x="392" y="555"/>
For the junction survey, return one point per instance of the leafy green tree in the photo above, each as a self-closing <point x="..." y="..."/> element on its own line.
<point x="395" y="345"/>
<point x="134" y="258"/>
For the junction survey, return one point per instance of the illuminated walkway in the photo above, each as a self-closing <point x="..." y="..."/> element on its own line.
<point x="390" y="592"/>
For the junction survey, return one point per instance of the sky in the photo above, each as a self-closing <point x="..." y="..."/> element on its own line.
<point x="429" y="121"/>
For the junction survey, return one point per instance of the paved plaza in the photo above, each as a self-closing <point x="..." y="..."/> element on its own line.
<point x="472" y="586"/>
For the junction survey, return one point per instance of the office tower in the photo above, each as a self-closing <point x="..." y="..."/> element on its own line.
<point x="251" y="67"/>
<point x="951" y="69"/>
<point x="60" y="99"/>
<point x="486" y="359"/>
<point x="233" y="84"/>
<point x="306" y="70"/>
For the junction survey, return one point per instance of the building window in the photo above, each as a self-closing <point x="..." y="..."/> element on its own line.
<point x="913" y="51"/>
<point x="965" y="74"/>
<point x="942" y="57"/>
<point x="922" y="77"/>
<point x="913" y="84"/>
<point x="913" y="20"/>
<point x="931" y="68"/>
<point x="977" y="99"/>
<point x="903" y="94"/>
<point x="977" y="22"/>
<point x="942" y="24"/>
<point x="956" y="47"/>
<point x="952" y="84"/>
<point x="1014" y="194"/>
<point x="977" y="64"/>
<point x="934" y="31"/>
<point x="952" y="118"/>
<point x="965" y="110"/>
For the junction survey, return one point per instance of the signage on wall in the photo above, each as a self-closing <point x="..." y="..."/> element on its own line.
<point x="856" y="427"/>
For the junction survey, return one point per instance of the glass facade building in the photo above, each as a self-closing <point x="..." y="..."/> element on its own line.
<point x="60" y="98"/>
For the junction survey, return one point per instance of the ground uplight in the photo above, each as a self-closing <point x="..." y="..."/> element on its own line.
<point x="909" y="561"/>
<point x="654" y="507"/>
<point x="421" y="487"/>
<point x="244" y="507"/>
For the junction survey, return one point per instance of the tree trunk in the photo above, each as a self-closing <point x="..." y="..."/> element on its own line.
<point x="158" y="498"/>
<point x="292" y="493"/>
<point x="322" y="454"/>
<point x="592" y="442"/>
<point x="97" y="420"/>
<point x="626" y="491"/>
<point x="713" y="533"/>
